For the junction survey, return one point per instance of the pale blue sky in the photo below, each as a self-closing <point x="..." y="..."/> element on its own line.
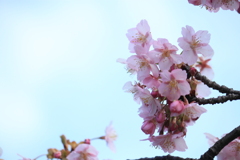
<point x="59" y="73"/>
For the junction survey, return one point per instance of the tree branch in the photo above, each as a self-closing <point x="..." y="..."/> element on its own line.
<point x="209" y="83"/>
<point x="210" y="154"/>
<point x="219" y="99"/>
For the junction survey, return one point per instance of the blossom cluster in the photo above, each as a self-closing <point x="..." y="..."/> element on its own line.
<point x="229" y="152"/>
<point x="215" y="5"/>
<point x="163" y="84"/>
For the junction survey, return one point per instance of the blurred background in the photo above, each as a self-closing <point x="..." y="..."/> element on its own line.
<point x="59" y="75"/>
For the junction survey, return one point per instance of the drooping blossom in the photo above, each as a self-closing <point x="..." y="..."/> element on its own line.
<point x="1" y="151"/>
<point x="164" y="54"/>
<point x="193" y="44"/>
<point x="148" y="101"/>
<point x="169" y="142"/>
<point x="193" y="111"/>
<point x="140" y="35"/>
<point x="83" y="152"/>
<point x="174" y="84"/>
<point x="110" y="137"/>
<point x="229" y="152"/>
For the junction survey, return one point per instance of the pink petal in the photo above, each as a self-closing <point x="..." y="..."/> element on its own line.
<point x="179" y="74"/>
<point x="206" y="51"/>
<point x="165" y="76"/>
<point x="188" y="56"/>
<point x="203" y="36"/>
<point x="143" y="27"/>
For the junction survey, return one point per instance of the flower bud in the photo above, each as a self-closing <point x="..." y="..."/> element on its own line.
<point x="148" y="127"/>
<point x="176" y="107"/>
<point x="57" y="154"/>
<point x="160" y="117"/>
<point x="87" y="141"/>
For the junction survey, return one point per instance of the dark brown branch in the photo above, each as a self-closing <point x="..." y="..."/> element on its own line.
<point x="209" y="83"/>
<point x="219" y="99"/>
<point x="168" y="157"/>
<point x="220" y="144"/>
<point x="210" y="154"/>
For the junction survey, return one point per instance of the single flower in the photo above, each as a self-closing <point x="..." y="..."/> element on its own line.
<point x="83" y="152"/>
<point x="110" y="137"/>
<point x="193" y="44"/>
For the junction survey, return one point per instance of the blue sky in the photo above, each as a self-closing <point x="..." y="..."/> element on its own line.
<point x="59" y="73"/>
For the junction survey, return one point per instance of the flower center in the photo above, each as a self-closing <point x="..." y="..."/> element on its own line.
<point x="173" y="84"/>
<point x="166" y="53"/>
<point x="139" y="38"/>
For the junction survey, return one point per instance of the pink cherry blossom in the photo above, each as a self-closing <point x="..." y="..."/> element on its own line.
<point x="110" y="136"/>
<point x="193" y="111"/>
<point x="169" y="142"/>
<point x="140" y="35"/>
<point x="83" y="152"/>
<point x="142" y="64"/>
<point x="194" y="43"/>
<point x="164" y="54"/>
<point x="174" y="84"/>
<point x="1" y="151"/>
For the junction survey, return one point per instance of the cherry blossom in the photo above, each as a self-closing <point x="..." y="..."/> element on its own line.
<point x="140" y="35"/>
<point x="83" y="152"/>
<point x="194" y="43"/>
<point x="169" y="142"/>
<point x="193" y="111"/>
<point x="164" y="54"/>
<point x="110" y="136"/>
<point x="174" y="84"/>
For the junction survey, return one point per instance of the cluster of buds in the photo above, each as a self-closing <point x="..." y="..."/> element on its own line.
<point x="164" y="84"/>
<point x="215" y="5"/>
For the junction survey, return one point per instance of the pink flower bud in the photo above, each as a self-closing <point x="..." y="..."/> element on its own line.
<point x="87" y="141"/>
<point x="160" y="117"/>
<point x="148" y="127"/>
<point x="155" y="94"/>
<point x="57" y="154"/>
<point x="176" y="107"/>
